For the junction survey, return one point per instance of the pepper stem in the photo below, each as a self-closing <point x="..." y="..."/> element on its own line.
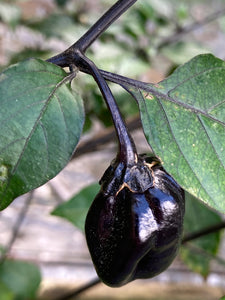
<point x="127" y="150"/>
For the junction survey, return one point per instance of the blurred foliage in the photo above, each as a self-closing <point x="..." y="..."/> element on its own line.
<point x="129" y="47"/>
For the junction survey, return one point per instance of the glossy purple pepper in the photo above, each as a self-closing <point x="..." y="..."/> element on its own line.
<point x="134" y="225"/>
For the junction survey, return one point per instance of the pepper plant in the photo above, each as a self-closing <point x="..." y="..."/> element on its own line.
<point x="182" y="116"/>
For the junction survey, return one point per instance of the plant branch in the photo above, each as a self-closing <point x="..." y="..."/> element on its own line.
<point x="65" y="59"/>
<point x="121" y="80"/>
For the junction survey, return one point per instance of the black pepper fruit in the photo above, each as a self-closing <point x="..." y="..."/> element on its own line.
<point x="134" y="225"/>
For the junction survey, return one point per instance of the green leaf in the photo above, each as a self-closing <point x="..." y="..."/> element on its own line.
<point x="198" y="217"/>
<point x="21" y="278"/>
<point x="75" y="210"/>
<point x="41" y="121"/>
<point x="184" y="122"/>
<point x="223" y="298"/>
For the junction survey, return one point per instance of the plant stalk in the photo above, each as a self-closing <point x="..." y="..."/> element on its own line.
<point x="127" y="150"/>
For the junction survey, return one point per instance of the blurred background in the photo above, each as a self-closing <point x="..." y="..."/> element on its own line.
<point x="147" y="43"/>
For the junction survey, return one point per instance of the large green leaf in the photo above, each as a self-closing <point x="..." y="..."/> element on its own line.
<point x="21" y="278"/>
<point x="75" y="210"/>
<point x="184" y="122"/>
<point x="198" y="217"/>
<point x="41" y="121"/>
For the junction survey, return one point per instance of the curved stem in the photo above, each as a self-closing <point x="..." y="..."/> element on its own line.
<point x="127" y="150"/>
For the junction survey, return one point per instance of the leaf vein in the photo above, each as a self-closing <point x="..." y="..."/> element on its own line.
<point x="10" y="144"/>
<point x="27" y="91"/>
<point x="178" y="146"/>
<point x="211" y="143"/>
<point x="63" y="115"/>
<point x="195" y="75"/>
<point x="215" y="106"/>
<point x="189" y="107"/>
<point x="21" y="110"/>
<point x="47" y="148"/>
